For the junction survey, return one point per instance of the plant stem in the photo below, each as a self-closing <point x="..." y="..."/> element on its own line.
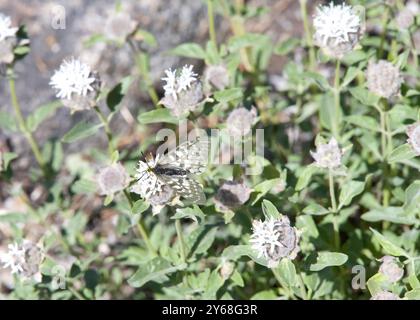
<point x="108" y="131"/>
<point x="308" y="34"/>
<point x="212" y="30"/>
<point x="178" y="228"/>
<point x="335" y="129"/>
<point x="383" y="35"/>
<point x="24" y="128"/>
<point x="334" y="210"/>
<point x="289" y="292"/>
<point x="141" y="228"/>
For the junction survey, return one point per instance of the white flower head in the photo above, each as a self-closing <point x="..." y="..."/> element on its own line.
<point x="6" y="29"/>
<point x="413" y="133"/>
<point x="391" y="269"/>
<point x="146" y="180"/>
<point x="328" y="156"/>
<point x="23" y="259"/>
<point x="383" y="79"/>
<point x="14" y="258"/>
<point x="217" y="76"/>
<point x="337" y="28"/>
<point x="275" y="239"/>
<point x="162" y="198"/>
<point x="183" y="91"/>
<point x="112" y="179"/>
<point x="73" y="77"/>
<point x="176" y="81"/>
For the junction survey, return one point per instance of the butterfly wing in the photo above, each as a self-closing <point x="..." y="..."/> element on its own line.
<point x="185" y="187"/>
<point x="191" y="156"/>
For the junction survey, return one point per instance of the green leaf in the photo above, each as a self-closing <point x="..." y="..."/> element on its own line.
<point x="238" y="251"/>
<point x="307" y="225"/>
<point x="191" y="213"/>
<point x="377" y="283"/>
<point x="269" y="210"/>
<point x="140" y="206"/>
<point x="389" y="247"/>
<point x="157" y="116"/>
<point x="287" y="272"/>
<point x="83" y="186"/>
<point x="246" y="40"/>
<point x="364" y="96"/>
<point x="319" y="80"/>
<point x="305" y="177"/>
<point x="328" y="259"/>
<point x="315" y="210"/>
<point x="401" y="153"/>
<point x="80" y="131"/>
<point x="7" y="121"/>
<point x="7" y="158"/>
<point x="286" y="46"/>
<point x="349" y="77"/>
<point x="201" y="239"/>
<point x="412" y="197"/>
<point x="266" y="186"/>
<point x="391" y="214"/>
<point x="349" y="190"/>
<point x="330" y="117"/>
<point x="228" y="95"/>
<point x="365" y="122"/>
<point x="189" y="50"/>
<point x="116" y="95"/>
<point x="413" y="294"/>
<point x="40" y="114"/>
<point x="156" y="269"/>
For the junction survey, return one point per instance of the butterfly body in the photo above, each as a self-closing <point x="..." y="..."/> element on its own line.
<point x="176" y="169"/>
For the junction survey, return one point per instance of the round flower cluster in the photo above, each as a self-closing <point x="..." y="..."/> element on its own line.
<point x="328" y="156"/>
<point x="112" y="179"/>
<point x="24" y="259"/>
<point x="275" y="239"/>
<point x="217" y="76"/>
<point x="385" y="295"/>
<point x="231" y="195"/>
<point x="183" y="91"/>
<point x="383" y="79"/>
<point x="76" y="85"/>
<point x="391" y="269"/>
<point x="239" y="122"/>
<point x="161" y="198"/>
<point x="337" y="29"/>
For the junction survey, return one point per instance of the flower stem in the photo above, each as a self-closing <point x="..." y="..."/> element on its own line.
<point x="337" y="91"/>
<point x="308" y="34"/>
<point x="212" y="30"/>
<point x="334" y="210"/>
<point x="141" y="228"/>
<point x="108" y="131"/>
<point x="178" y="228"/>
<point x="24" y="128"/>
<point x="383" y="35"/>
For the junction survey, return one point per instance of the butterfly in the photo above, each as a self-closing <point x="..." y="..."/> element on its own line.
<point x="176" y="169"/>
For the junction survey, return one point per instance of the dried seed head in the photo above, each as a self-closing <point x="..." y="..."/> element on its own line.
<point x="231" y="195"/>
<point x="112" y="179"/>
<point x="383" y="79"/>
<point x="217" y="76"/>
<point x="406" y="17"/>
<point x="239" y="122"/>
<point x="328" y="156"/>
<point x="275" y="239"/>
<point x="338" y="29"/>
<point x="391" y="269"/>
<point x="227" y="269"/>
<point x="119" y="26"/>
<point x="413" y="133"/>
<point x="162" y="198"/>
<point x="7" y="47"/>
<point x="385" y="295"/>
